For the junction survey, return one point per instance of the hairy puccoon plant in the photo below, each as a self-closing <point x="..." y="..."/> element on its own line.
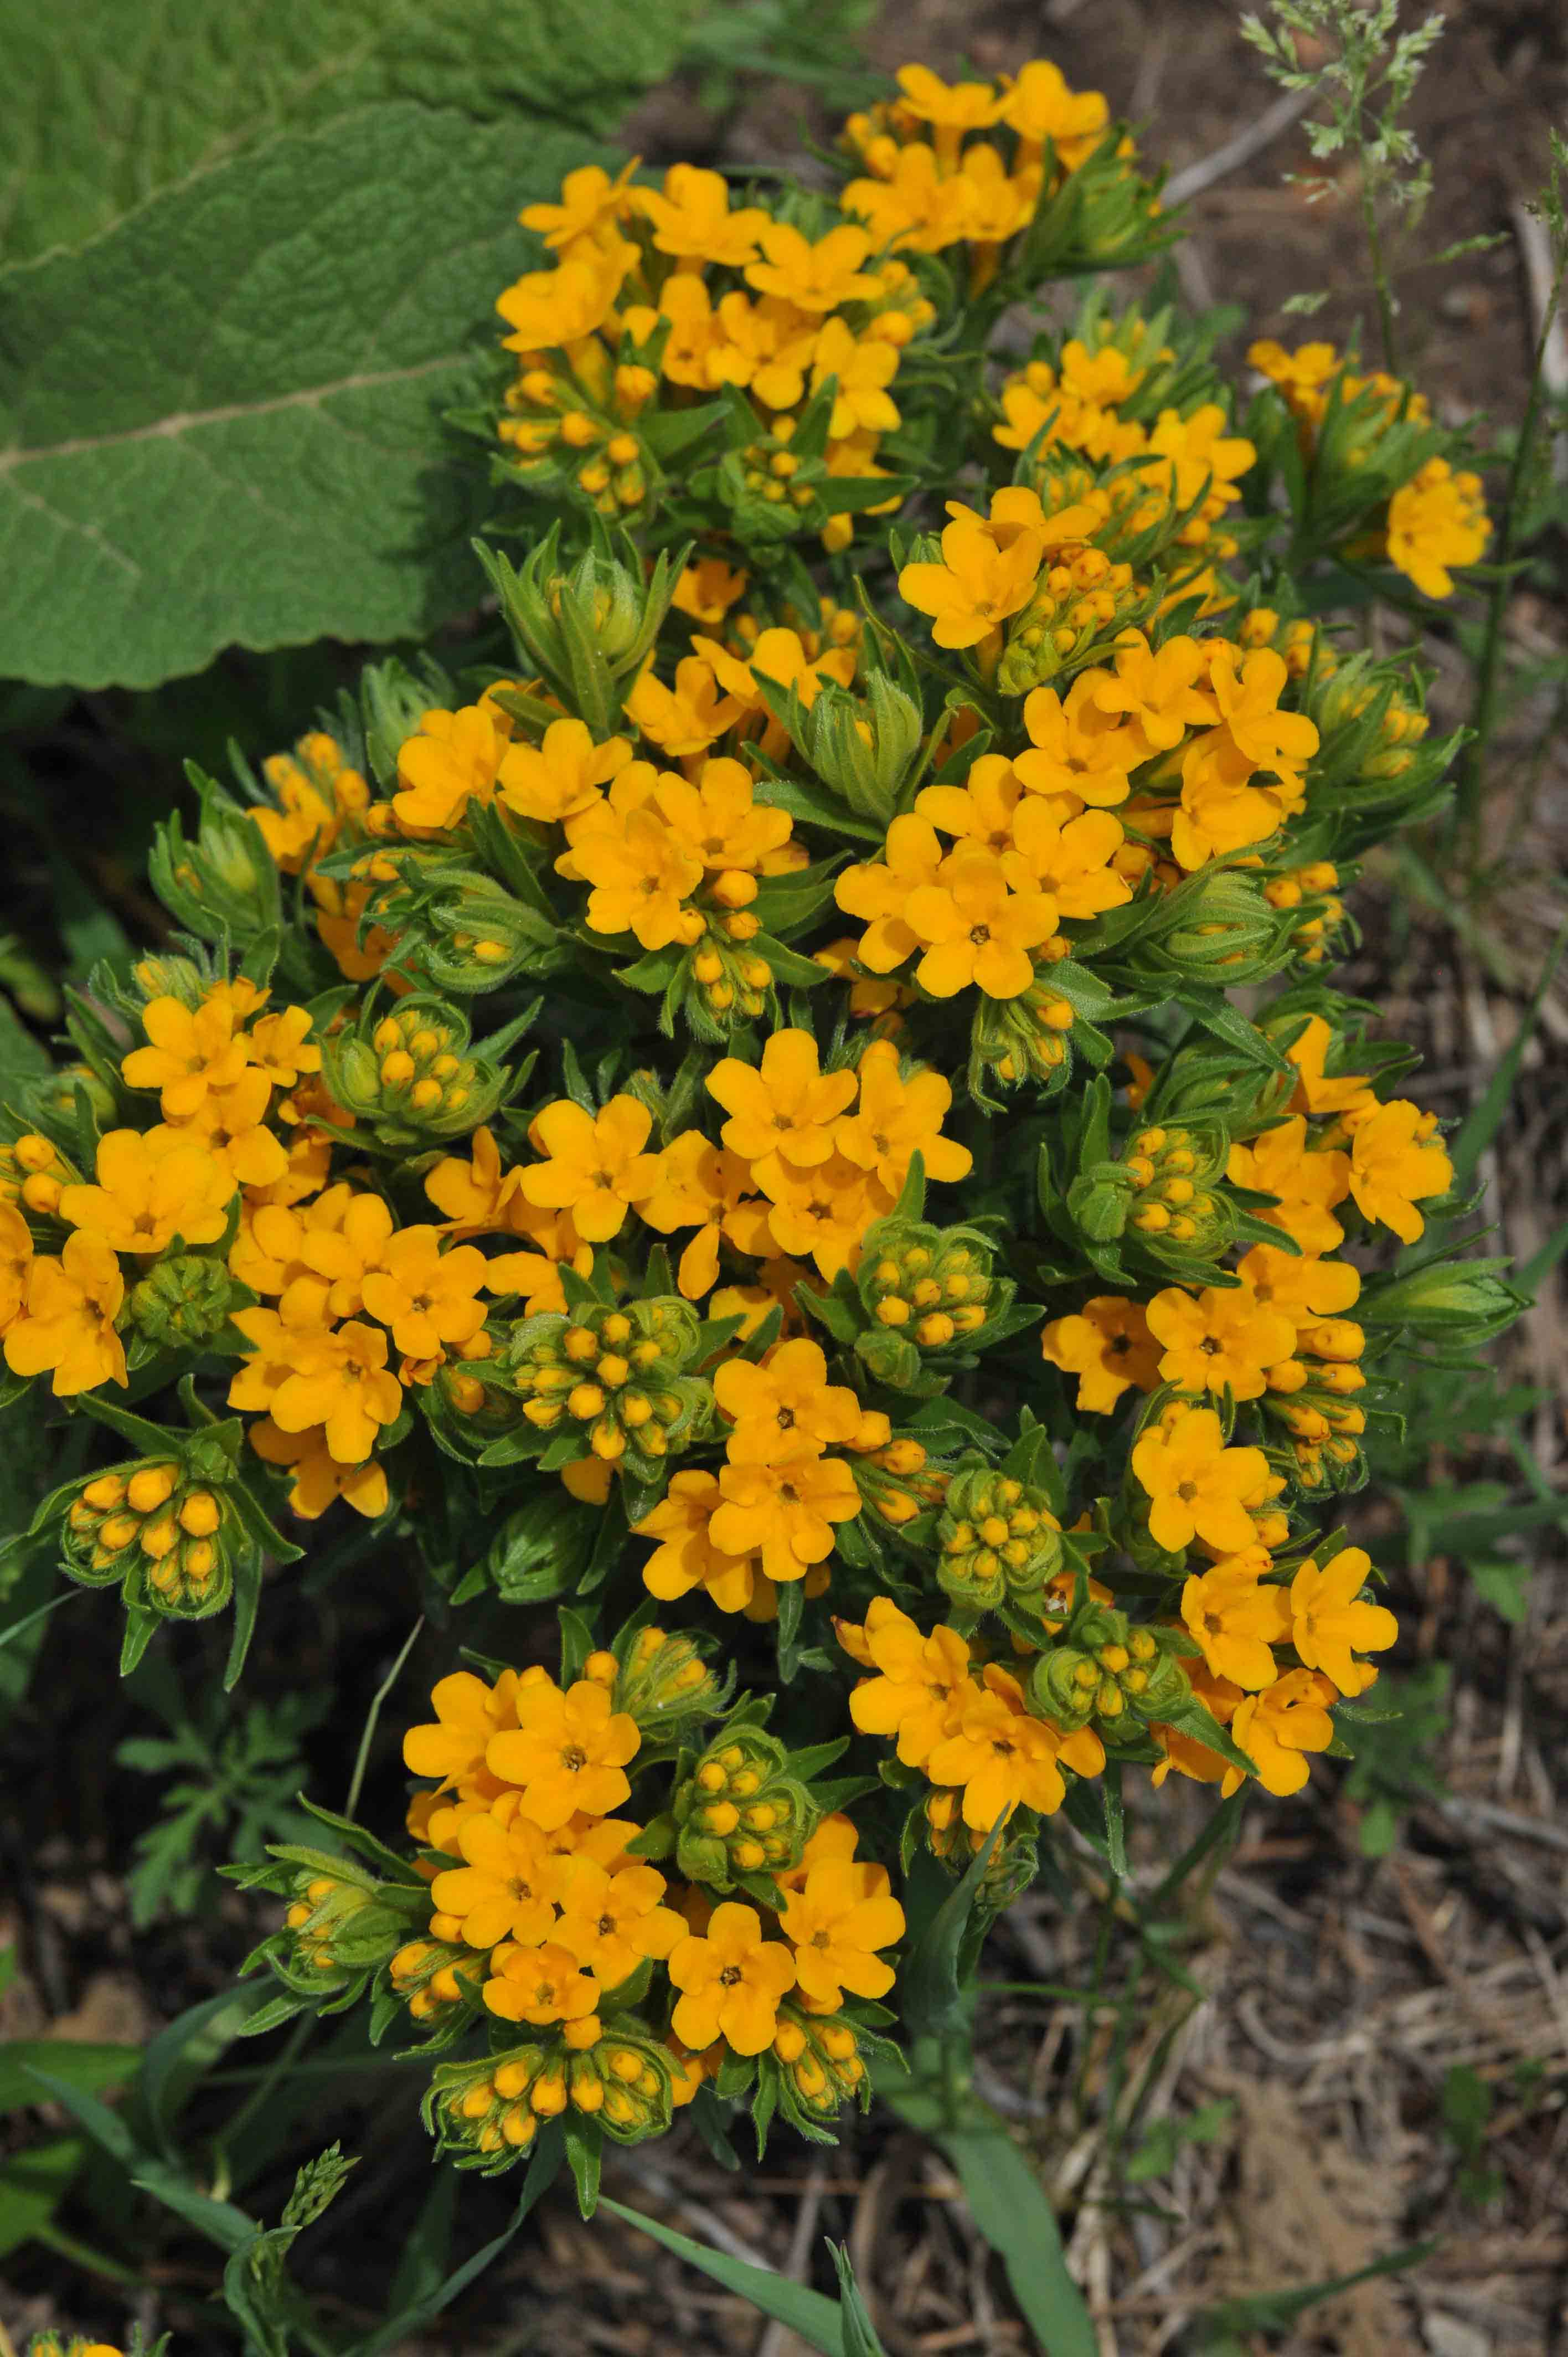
<point x="734" y="1129"/>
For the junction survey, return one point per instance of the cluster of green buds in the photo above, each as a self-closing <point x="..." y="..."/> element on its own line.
<point x="1371" y="435"/>
<point x="224" y="885"/>
<point x="1081" y="601"/>
<point x="740" y="1809"/>
<point x="458" y="928"/>
<point x="439" y="1981"/>
<point x="769" y="473"/>
<point x="33" y="1174"/>
<point x="1166" y="1188"/>
<point x="50" y="1100"/>
<point x="173" y="1525"/>
<point x="863" y="749"/>
<point x="928" y="1294"/>
<point x="998" y="1540"/>
<point x="660" y="1681"/>
<point x="342" y="1926"/>
<point x="1375" y="754"/>
<point x="1103" y="1670"/>
<point x="1030" y="1038"/>
<point x="1013" y="1864"/>
<point x="1318" y="914"/>
<point x="1221" y="926"/>
<point x="409" y="1074"/>
<point x="898" y="1482"/>
<point x="486" y="2113"/>
<point x="622" y="1377"/>
<point x="183" y="1303"/>
<point x="822" y="2061"/>
<point x="588" y="631"/>
<point x="574" y="425"/>
<point x="731" y="979"/>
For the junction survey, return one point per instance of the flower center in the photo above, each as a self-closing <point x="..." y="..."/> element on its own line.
<point x="980" y="935"/>
<point x="573" y="1758"/>
<point x="730" y="1976"/>
<point x="1187" y="1490"/>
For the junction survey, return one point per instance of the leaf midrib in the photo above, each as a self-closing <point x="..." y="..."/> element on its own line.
<point x="180" y="422"/>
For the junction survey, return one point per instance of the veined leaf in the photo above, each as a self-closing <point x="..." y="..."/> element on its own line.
<point x="110" y="104"/>
<point x="265" y="463"/>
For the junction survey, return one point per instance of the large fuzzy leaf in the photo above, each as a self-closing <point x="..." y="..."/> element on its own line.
<point x="108" y="104"/>
<point x="224" y="418"/>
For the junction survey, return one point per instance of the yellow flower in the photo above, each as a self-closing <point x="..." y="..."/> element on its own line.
<point x="1038" y="106"/>
<point x="1247" y="689"/>
<point x="785" y="1407"/>
<point x="863" y="372"/>
<point x="316" y="791"/>
<point x="569" y="1752"/>
<point x="1437" y="520"/>
<point x="1299" y="1286"/>
<point x="1236" y="1620"/>
<point x="426" y="1296"/>
<point x="192" y="1050"/>
<point x="1196" y="1485"/>
<point x="981" y="812"/>
<point x="153" y="1186"/>
<point x="540" y="1985"/>
<point x="474" y="1194"/>
<point x="1076" y="748"/>
<point x="231" y="1123"/>
<point x="613" y="1922"/>
<point x="814" y="277"/>
<point x="1160" y="692"/>
<point x="1215" y="818"/>
<point x="1317" y="1092"/>
<point x="783" y="1106"/>
<point x="921" y="1684"/>
<point x="707" y="589"/>
<point x="280" y="1048"/>
<point x="453" y="758"/>
<point x="468" y="1713"/>
<point x="975" y="931"/>
<point x="880" y="890"/>
<point x="784" y="1512"/>
<point x="961" y="106"/>
<point x="547" y="307"/>
<point x="1071" y="862"/>
<point x="1330" y="1623"/>
<point x="1275" y="1727"/>
<point x="1391" y="1167"/>
<point x="700" y="1186"/>
<point x="1108" y="1346"/>
<point x="340" y="1381"/>
<point x="782" y="658"/>
<point x="686" y="1556"/>
<point x="836" y="1926"/>
<point x="66" y="1323"/>
<point x="318" y="1480"/>
<point x="1307" y="1184"/>
<point x="897" y="1119"/>
<point x="731" y="1982"/>
<point x="823" y="1211"/>
<point x="719" y="820"/>
<point x="507" y="1884"/>
<point x="1224" y="1337"/>
<point x="596" y="1168"/>
<point x="641" y="873"/>
<point x="16" y="1258"/>
<point x="1199" y="458"/>
<point x="559" y="777"/>
<point x="1003" y="1759"/>
<point x="588" y="197"/>
<point x="693" y="220"/>
<point x="920" y="208"/>
<point x="977" y="584"/>
<point x="685" y="719"/>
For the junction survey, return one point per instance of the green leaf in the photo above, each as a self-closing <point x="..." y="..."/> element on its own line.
<point x="818" y="2321"/>
<point x="108" y="105"/>
<point x="1504" y="1586"/>
<point x="398" y="2327"/>
<point x="266" y="461"/>
<point x="94" y="2067"/>
<point x="33" y="2184"/>
<point x="931" y="1981"/>
<point x="1275" y="2311"/>
<point x="1007" y="2201"/>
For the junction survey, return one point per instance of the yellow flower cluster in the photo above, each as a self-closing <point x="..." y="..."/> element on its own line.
<point x="546" y="1910"/>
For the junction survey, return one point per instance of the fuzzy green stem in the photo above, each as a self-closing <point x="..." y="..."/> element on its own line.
<point x="1489" y="671"/>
